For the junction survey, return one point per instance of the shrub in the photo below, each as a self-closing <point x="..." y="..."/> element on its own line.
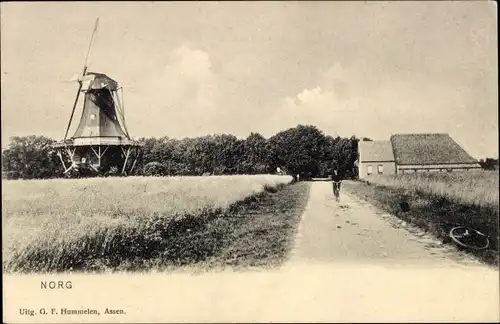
<point x="154" y="169"/>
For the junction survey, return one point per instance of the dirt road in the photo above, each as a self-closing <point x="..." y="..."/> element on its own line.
<point x="356" y="232"/>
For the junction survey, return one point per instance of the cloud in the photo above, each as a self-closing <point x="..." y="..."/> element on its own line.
<point x="326" y="104"/>
<point x="341" y="104"/>
<point x="314" y="101"/>
<point x="331" y="93"/>
<point x="189" y="64"/>
<point x="186" y="90"/>
<point x="188" y="81"/>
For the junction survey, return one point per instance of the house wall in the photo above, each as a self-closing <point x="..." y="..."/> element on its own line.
<point x="436" y="168"/>
<point x="388" y="168"/>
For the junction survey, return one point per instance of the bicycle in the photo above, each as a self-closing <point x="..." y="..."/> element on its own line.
<point x="336" y="190"/>
<point x="464" y="236"/>
<point x="469" y="238"/>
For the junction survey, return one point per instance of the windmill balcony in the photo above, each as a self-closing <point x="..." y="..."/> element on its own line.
<point x="96" y="141"/>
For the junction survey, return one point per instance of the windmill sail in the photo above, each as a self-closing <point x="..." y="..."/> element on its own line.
<point x="80" y="79"/>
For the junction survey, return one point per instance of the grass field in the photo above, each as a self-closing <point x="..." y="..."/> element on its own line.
<point x="475" y="188"/>
<point x="439" y="200"/>
<point x="127" y="223"/>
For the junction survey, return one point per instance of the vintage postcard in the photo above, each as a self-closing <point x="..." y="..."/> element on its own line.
<point x="285" y="161"/>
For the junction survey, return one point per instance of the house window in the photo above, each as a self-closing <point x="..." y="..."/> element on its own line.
<point x="369" y="170"/>
<point x="380" y="169"/>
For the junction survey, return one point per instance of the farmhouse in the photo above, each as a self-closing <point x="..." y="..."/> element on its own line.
<point x="430" y="152"/>
<point x="406" y="153"/>
<point x="376" y="157"/>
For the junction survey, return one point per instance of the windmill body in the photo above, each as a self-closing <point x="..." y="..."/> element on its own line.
<point x="101" y="140"/>
<point x="99" y="116"/>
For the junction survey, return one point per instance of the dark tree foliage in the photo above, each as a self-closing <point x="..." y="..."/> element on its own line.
<point x="303" y="150"/>
<point x="31" y="157"/>
<point x="489" y="164"/>
<point x="299" y="150"/>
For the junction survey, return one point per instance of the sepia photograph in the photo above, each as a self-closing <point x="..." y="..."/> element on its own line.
<point x="241" y="161"/>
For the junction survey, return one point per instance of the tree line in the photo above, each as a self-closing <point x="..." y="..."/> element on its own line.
<point x="489" y="164"/>
<point x="303" y="150"/>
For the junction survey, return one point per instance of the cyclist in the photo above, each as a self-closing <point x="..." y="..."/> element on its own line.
<point x="336" y="181"/>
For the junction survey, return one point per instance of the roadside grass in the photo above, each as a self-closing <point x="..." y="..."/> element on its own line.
<point x="261" y="231"/>
<point x="142" y="224"/>
<point x="472" y="188"/>
<point x="436" y="202"/>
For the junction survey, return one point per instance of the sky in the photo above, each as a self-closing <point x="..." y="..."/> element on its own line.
<point x="369" y="69"/>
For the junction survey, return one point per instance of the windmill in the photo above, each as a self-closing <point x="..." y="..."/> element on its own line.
<point x="101" y="140"/>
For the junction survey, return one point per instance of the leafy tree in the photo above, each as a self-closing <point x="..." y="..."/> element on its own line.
<point x="154" y="169"/>
<point x="489" y="164"/>
<point x="253" y="155"/>
<point x="298" y="150"/>
<point x="31" y="157"/>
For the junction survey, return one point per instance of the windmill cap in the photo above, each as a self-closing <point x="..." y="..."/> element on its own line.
<point x="101" y="81"/>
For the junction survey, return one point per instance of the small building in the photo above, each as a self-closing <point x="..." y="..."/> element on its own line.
<point x="430" y="153"/>
<point x="375" y="157"/>
<point x="407" y="153"/>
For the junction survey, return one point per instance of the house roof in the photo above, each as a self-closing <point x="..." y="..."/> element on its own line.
<point x="375" y="151"/>
<point x="421" y="149"/>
